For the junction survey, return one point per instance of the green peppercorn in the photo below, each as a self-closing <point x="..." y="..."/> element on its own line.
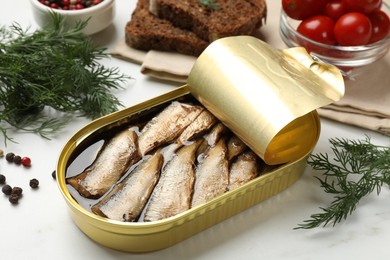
<point x="10" y="157"/>
<point x="6" y="189"/>
<point x="14" y="198"/>
<point x="17" y="190"/>
<point x="2" y="179"/>
<point x="34" y="183"/>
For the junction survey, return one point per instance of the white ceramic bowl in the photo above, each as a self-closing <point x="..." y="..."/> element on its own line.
<point x="100" y="16"/>
<point x="350" y="59"/>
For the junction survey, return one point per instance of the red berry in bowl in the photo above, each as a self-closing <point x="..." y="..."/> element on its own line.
<point x="380" y="25"/>
<point x="318" y="28"/>
<point x="353" y="29"/>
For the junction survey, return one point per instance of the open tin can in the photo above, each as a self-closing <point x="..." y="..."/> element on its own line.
<point x="265" y="96"/>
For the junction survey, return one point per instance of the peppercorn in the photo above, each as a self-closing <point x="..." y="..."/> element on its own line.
<point x="70" y="4"/>
<point x="17" y="190"/>
<point x="10" y="157"/>
<point x="34" y="183"/>
<point x="13" y="198"/>
<point x="26" y="161"/>
<point x="2" y="179"/>
<point x="17" y="159"/>
<point x="53" y="174"/>
<point x="1" y="153"/>
<point x="7" y="190"/>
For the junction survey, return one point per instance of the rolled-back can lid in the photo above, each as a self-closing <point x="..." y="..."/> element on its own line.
<point x="266" y="96"/>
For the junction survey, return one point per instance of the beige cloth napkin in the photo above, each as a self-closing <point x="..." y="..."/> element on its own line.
<point x="162" y="65"/>
<point x="366" y="102"/>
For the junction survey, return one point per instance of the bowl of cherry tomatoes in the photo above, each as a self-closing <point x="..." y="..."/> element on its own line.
<point x="349" y="34"/>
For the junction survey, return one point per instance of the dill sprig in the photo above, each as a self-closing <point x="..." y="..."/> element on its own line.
<point x="56" y="68"/>
<point x="209" y="4"/>
<point x="357" y="169"/>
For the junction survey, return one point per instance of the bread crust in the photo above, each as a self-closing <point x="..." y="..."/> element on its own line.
<point x="233" y="17"/>
<point x="145" y="32"/>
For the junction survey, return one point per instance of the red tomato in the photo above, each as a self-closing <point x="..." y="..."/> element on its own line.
<point x="363" y="6"/>
<point x="353" y="29"/>
<point x="335" y="9"/>
<point x="380" y="25"/>
<point x="302" y="9"/>
<point x="318" y="28"/>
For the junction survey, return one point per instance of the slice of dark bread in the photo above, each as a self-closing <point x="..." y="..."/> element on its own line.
<point x="145" y="32"/>
<point x="231" y="18"/>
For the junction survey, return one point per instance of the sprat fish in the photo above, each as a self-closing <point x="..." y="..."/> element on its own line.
<point x="216" y="133"/>
<point x="127" y="199"/>
<point x="235" y="147"/>
<point x="212" y="137"/>
<point x="167" y="125"/>
<point x="199" y="126"/>
<point x="212" y="174"/>
<point x="243" y="169"/>
<point x="111" y="163"/>
<point x="173" y="192"/>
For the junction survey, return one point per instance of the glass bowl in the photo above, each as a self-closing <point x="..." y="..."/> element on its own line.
<point x="349" y="59"/>
<point x="100" y="16"/>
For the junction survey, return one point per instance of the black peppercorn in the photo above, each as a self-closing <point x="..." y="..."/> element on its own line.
<point x="10" y="157"/>
<point x="53" y="174"/>
<point x="6" y="189"/>
<point x="17" y="190"/>
<point x="2" y="179"/>
<point x="17" y="159"/>
<point x="13" y="198"/>
<point x="34" y="183"/>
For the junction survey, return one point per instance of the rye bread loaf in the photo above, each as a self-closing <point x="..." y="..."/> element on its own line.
<point x="145" y="32"/>
<point x="231" y="18"/>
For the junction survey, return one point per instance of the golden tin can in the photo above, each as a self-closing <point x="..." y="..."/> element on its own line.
<point x="265" y="96"/>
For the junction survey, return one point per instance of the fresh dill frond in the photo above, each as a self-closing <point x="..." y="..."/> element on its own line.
<point x="357" y="169"/>
<point x="55" y="67"/>
<point x="209" y="4"/>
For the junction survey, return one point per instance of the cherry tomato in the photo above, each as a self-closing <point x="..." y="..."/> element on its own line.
<point x="302" y="9"/>
<point x="363" y="6"/>
<point x="353" y="29"/>
<point x="380" y="25"/>
<point x="318" y="28"/>
<point x="335" y="9"/>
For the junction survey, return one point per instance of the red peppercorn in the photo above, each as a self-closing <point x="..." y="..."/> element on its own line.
<point x="70" y="4"/>
<point x="26" y="161"/>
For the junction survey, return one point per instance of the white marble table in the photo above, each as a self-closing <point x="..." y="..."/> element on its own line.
<point x="40" y="227"/>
